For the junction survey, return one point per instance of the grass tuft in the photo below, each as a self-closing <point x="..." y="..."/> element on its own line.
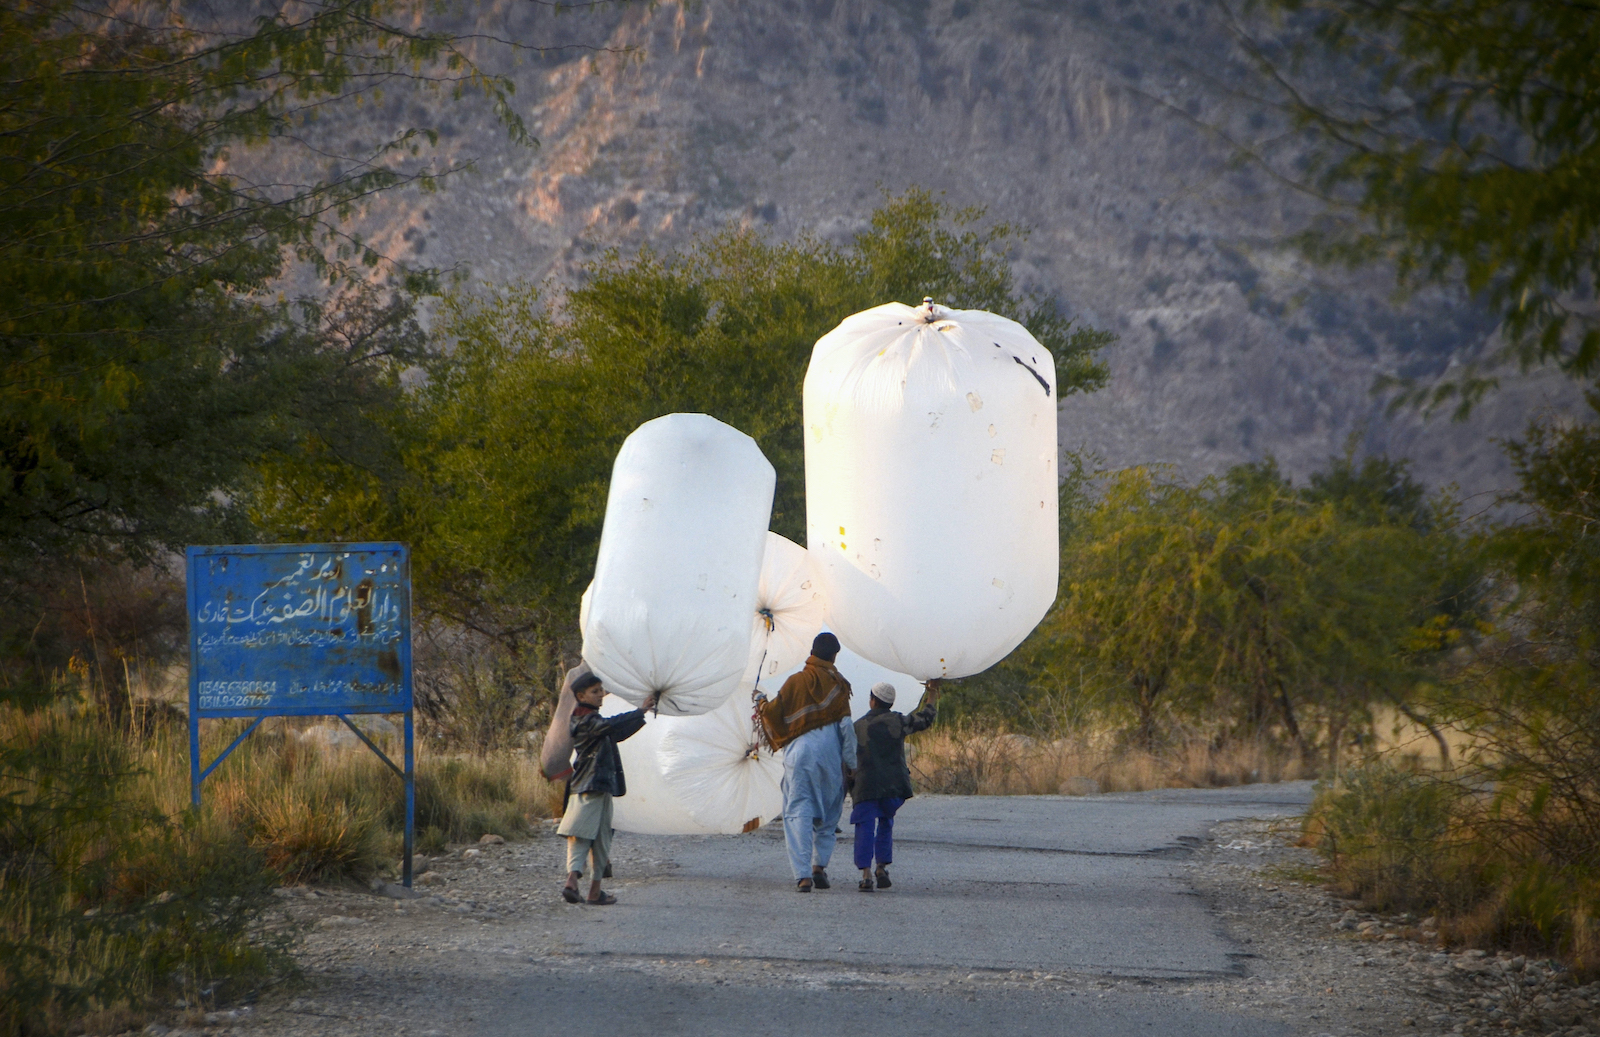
<point x="966" y="759"/>
<point x="116" y="897"/>
<point x="1498" y="869"/>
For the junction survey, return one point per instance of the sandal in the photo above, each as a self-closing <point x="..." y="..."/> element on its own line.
<point x="882" y="875"/>
<point x="570" y="895"/>
<point x="603" y="900"/>
<point x="865" y="885"/>
<point x="803" y="886"/>
<point x="819" y="878"/>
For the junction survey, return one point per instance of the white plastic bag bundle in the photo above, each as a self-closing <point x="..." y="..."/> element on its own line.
<point x="931" y="485"/>
<point x="699" y="775"/>
<point x="790" y="611"/>
<point x="679" y="564"/>
<point x="650" y="807"/>
<point x="707" y="773"/>
<point x="716" y="768"/>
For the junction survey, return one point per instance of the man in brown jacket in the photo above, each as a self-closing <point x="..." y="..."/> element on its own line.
<point x="810" y="722"/>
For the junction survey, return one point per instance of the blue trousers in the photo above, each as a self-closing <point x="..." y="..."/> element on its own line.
<point x="874" y="821"/>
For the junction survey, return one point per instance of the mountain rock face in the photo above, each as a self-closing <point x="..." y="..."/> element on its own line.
<point x="1089" y="121"/>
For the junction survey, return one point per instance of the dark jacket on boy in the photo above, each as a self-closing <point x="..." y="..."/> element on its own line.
<point x="598" y="765"/>
<point x="881" y="771"/>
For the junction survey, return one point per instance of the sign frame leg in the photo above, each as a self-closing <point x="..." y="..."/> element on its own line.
<point x="411" y="805"/>
<point x="194" y="757"/>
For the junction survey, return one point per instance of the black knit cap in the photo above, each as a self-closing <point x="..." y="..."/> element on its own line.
<point x="584" y="682"/>
<point x="825" y="647"/>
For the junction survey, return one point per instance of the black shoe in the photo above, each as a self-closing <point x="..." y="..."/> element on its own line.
<point x="882" y="875"/>
<point x="819" y="878"/>
<point x="803" y="886"/>
<point x="865" y="885"/>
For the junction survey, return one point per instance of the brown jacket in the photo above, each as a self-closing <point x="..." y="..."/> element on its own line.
<point x="815" y="697"/>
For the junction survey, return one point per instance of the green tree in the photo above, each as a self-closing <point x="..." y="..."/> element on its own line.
<point x="148" y="364"/>
<point x="147" y="359"/>
<point x="1245" y="607"/>
<point x="1514" y="830"/>
<point x="1460" y="142"/>
<point x="509" y="441"/>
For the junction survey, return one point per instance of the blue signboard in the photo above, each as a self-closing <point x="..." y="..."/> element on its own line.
<point x="300" y="630"/>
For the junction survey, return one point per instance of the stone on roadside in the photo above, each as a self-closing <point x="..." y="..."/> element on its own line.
<point x="491" y="840"/>
<point x="429" y="878"/>
<point x="395" y="891"/>
<point x="339" y="922"/>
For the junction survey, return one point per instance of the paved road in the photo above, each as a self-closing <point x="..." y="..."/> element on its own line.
<point x="1084" y="886"/>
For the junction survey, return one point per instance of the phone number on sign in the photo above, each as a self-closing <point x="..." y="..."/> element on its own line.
<point x="233" y="701"/>
<point x="236" y="694"/>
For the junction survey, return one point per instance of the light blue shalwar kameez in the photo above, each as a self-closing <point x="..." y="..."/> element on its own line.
<point x="813" y="793"/>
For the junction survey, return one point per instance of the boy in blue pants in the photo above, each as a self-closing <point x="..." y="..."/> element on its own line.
<point x="882" y="779"/>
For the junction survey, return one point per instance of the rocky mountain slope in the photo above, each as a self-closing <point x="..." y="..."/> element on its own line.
<point x="1085" y="120"/>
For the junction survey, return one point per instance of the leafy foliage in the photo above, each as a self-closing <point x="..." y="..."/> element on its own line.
<point x="1242" y="604"/>
<point x="103" y="901"/>
<point x="1516" y="827"/>
<point x="508" y="443"/>
<point x="147" y="362"/>
<point x="1462" y="140"/>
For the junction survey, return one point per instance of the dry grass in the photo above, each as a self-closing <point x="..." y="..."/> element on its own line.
<point x="116" y="896"/>
<point x="969" y="761"/>
<point x="321" y="811"/>
<point x="1497" y="869"/>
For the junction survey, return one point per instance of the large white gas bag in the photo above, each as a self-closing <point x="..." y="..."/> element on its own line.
<point x="718" y="770"/>
<point x="649" y="807"/>
<point x="698" y="775"/>
<point x="709" y="773"/>
<point x="679" y="564"/>
<point x="930" y="439"/>
<point x="790" y="611"/>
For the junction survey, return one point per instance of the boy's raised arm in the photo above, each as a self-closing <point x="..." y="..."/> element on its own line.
<point x="624" y="725"/>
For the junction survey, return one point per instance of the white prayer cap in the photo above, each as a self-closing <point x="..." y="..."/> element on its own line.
<point x="883" y="691"/>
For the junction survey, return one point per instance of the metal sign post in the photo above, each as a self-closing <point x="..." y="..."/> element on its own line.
<point x="301" y="630"/>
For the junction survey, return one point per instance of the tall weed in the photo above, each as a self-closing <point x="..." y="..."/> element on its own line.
<point x="1496" y="863"/>
<point x="115" y="895"/>
<point x="1393" y="837"/>
<point x="106" y="901"/>
<point x="321" y="812"/>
